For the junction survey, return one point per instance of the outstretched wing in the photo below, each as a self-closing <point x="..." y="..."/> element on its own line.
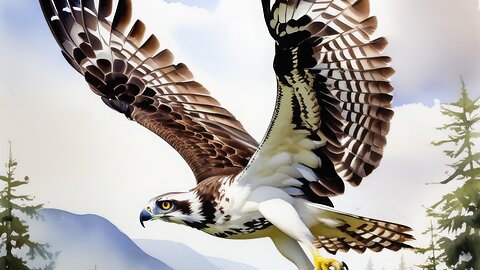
<point x="133" y="76"/>
<point x="333" y="101"/>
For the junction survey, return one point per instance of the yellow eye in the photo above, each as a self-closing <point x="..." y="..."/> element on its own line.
<point x="166" y="205"/>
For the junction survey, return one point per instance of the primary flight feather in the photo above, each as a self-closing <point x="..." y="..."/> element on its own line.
<point x="331" y="118"/>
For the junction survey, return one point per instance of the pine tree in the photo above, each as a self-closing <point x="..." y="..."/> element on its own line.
<point x="432" y="250"/>
<point x="14" y="233"/>
<point x="370" y="265"/>
<point x="458" y="212"/>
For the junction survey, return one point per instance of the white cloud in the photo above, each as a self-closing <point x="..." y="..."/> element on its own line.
<point x="432" y="43"/>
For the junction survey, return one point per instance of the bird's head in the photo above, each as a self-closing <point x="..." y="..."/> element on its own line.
<point x="177" y="207"/>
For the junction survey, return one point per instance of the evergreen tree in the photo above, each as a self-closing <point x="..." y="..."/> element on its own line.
<point x="14" y="233"/>
<point x="370" y="265"/>
<point x="432" y="250"/>
<point x="458" y="212"/>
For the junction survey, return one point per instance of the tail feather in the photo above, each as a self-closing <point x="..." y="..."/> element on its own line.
<point x="340" y="231"/>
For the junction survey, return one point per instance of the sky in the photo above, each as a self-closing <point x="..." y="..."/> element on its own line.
<point x="206" y="4"/>
<point x="84" y="158"/>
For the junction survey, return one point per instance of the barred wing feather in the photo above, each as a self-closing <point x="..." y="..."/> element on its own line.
<point x="134" y="76"/>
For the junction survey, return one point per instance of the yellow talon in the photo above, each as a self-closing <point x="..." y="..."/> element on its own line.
<point x="325" y="264"/>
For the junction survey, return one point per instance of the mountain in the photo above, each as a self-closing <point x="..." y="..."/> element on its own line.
<point x="90" y="242"/>
<point x="227" y="264"/>
<point x="168" y="252"/>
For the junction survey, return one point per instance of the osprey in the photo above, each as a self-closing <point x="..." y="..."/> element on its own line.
<point x="332" y="114"/>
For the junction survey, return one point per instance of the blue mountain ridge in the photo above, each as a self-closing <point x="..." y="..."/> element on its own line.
<point x="92" y="242"/>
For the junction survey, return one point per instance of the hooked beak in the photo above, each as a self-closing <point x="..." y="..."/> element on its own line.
<point x="145" y="216"/>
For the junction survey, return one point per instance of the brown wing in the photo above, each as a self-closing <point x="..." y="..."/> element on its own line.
<point x="133" y="76"/>
<point x="333" y="106"/>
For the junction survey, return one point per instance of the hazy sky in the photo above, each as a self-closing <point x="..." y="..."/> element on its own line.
<point x="208" y="4"/>
<point x="83" y="157"/>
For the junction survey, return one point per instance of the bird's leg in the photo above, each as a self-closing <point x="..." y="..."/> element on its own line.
<point x="284" y="216"/>
<point x="291" y="250"/>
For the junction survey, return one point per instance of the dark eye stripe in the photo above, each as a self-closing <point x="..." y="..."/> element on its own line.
<point x="184" y="207"/>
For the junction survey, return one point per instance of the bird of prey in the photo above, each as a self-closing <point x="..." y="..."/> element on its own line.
<point x="331" y="118"/>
